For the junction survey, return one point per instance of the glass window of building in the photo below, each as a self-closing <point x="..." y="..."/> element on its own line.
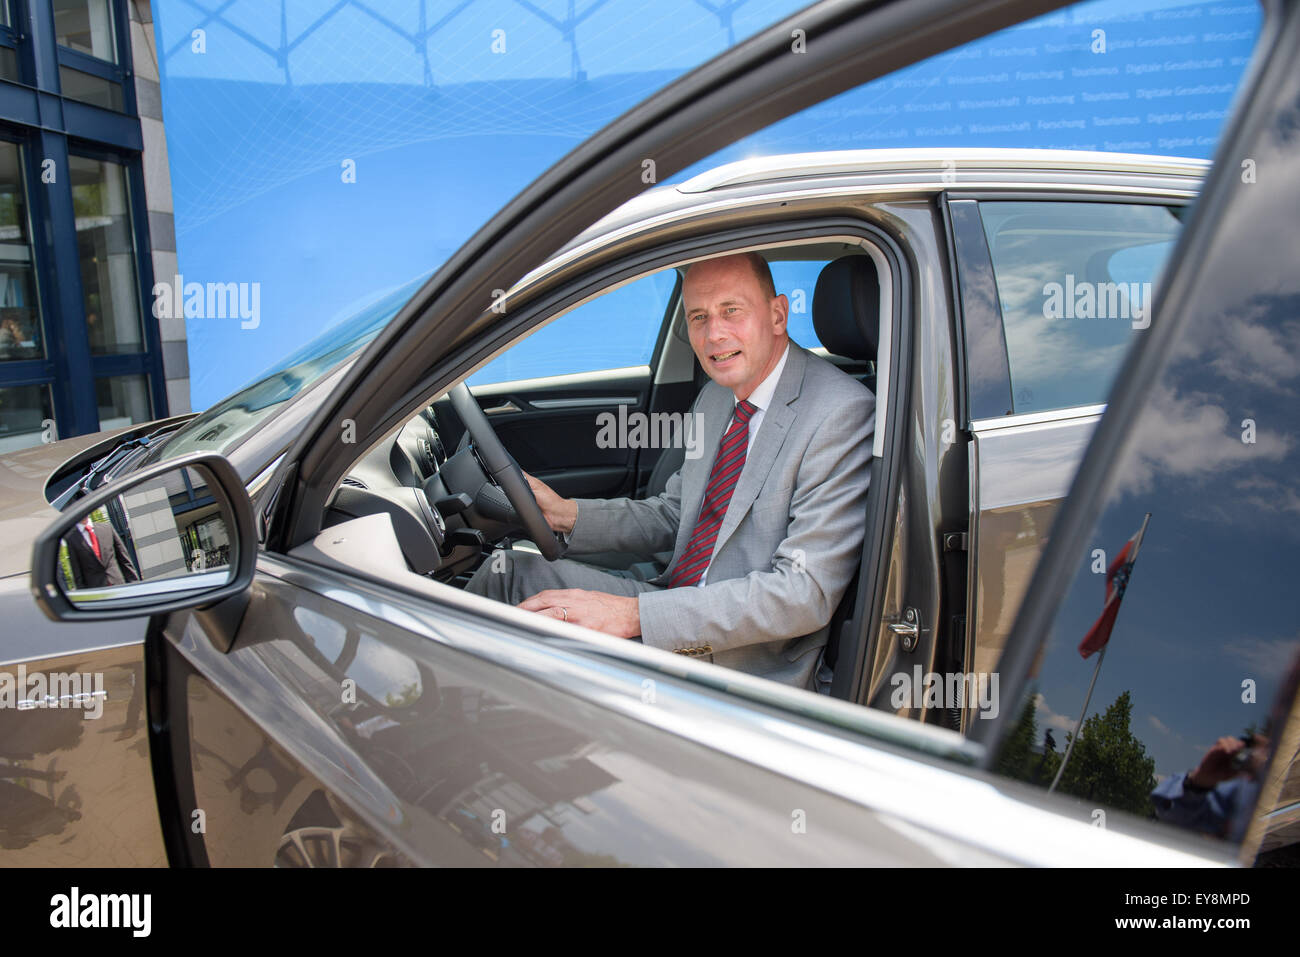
<point x="8" y="42"/>
<point x="86" y="26"/>
<point x="123" y="400"/>
<point x="26" y="417"/>
<point x="106" y="245"/>
<point x="20" y="314"/>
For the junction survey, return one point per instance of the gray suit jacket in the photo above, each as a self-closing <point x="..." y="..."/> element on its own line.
<point x="789" y="542"/>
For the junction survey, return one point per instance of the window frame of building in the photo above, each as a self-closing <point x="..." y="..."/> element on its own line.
<point x="50" y="128"/>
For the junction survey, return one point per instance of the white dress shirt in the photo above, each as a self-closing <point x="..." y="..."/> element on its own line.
<point x="760" y="398"/>
<point x="85" y="532"/>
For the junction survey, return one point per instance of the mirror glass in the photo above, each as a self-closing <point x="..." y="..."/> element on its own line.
<point x="166" y="536"/>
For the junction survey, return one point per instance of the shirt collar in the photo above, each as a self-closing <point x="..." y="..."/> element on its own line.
<point x="761" y="397"/>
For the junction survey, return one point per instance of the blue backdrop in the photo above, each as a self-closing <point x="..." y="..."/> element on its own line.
<point x="444" y="110"/>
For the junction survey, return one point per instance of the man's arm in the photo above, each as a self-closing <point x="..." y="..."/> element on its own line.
<point x="641" y="526"/>
<point x="811" y="568"/>
<point x="129" y="573"/>
<point x="74" y="561"/>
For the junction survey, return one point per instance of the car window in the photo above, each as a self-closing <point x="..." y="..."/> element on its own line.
<point x="1074" y="282"/>
<point x="226" y="424"/>
<point x="797" y="279"/>
<point x="615" y="330"/>
<point x="1183" y="606"/>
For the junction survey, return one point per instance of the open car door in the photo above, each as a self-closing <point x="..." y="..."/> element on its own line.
<point x="1160" y="623"/>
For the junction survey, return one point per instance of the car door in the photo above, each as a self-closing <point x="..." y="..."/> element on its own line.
<point x="362" y="684"/>
<point x="1180" y="517"/>
<point x="1072" y="282"/>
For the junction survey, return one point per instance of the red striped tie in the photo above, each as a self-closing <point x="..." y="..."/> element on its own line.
<point x="722" y="482"/>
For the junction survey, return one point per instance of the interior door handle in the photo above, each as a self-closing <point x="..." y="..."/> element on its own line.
<point x="507" y="406"/>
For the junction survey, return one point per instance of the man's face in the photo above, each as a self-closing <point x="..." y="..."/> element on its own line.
<point x="737" y="332"/>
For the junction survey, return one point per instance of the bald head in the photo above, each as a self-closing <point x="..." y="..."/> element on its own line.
<point x="735" y="320"/>
<point x="753" y="261"/>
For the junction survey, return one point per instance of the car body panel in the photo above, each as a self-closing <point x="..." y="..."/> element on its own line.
<point x="1021" y="468"/>
<point x="77" y="782"/>
<point x="543" y="733"/>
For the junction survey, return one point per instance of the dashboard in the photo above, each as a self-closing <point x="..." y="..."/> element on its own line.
<point x="444" y="508"/>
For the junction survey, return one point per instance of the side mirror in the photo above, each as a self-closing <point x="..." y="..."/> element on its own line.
<point x="176" y="535"/>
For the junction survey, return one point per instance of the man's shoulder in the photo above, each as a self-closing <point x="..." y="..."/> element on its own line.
<point x="823" y="379"/>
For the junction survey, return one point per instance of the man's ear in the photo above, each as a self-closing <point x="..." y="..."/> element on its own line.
<point x="780" y="312"/>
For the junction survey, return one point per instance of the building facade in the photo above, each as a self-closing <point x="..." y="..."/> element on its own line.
<point x="85" y="223"/>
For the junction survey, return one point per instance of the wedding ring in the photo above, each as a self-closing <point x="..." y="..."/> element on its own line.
<point x="565" y="612"/>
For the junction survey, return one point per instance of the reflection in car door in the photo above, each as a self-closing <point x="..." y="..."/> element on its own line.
<point x="348" y="723"/>
<point x="1037" y="373"/>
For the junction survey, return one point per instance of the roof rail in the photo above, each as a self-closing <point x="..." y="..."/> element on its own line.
<point x="938" y="161"/>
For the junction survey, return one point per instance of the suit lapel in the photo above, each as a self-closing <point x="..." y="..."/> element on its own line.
<point x="771" y="435"/>
<point x="717" y="408"/>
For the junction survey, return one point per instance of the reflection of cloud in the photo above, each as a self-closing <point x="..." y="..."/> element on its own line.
<point x="1263" y="356"/>
<point x="1042" y="350"/>
<point x="1161" y="726"/>
<point x="1269" y="495"/>
<point x="1263" y="657"/>
<point x="1190" y="436"/>
<point x="1049" y="718"/>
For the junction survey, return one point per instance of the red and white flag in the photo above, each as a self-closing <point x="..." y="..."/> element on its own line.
<point x="1117" y="577"/>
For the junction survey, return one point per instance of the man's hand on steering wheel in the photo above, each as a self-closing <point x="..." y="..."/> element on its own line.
<point x="561" y="513"/>
<point x="503" y="472"/>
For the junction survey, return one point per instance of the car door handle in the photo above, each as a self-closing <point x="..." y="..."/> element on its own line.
<point x="502" y="409"/>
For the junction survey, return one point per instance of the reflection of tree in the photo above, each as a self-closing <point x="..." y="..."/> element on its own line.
<point x="1109" y="765"/>
<point x="1015" y="757"/>
<point x="576" y="858"/>
<point x="408" y="696"/>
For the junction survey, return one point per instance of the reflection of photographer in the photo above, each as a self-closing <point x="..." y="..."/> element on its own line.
<point x="98" y="557"/>
<point x="1213" y="797"/>
<point x="15" y="340"/>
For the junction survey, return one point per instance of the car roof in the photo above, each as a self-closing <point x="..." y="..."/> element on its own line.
<point x="929" y="170"/>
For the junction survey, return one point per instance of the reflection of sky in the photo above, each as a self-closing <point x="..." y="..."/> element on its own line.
<point x="444" y="131"/>
<point x="1213" y="599"/>
<point x="1068" y="360"/>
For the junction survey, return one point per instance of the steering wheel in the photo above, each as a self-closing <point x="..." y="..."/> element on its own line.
<point x="504" y="472"/>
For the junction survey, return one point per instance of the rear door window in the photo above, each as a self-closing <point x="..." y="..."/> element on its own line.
<point x="1074" y="282"/>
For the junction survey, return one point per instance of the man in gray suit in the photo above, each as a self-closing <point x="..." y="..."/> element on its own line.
<point x="766" y="526"/>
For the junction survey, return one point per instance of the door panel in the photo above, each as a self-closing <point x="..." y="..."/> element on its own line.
<point x="442" y="757"/>
<point x="436" y="732"/>
<point x="556" y="432"/>
<point x="1021" y="471"/>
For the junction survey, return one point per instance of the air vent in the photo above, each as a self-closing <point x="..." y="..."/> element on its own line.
<point x="355" y="483"/>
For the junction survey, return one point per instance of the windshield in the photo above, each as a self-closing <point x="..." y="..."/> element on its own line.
<point x="221" y="427"/>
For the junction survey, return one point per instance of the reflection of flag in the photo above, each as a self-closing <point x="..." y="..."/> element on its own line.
<point x="1117" y="576"/>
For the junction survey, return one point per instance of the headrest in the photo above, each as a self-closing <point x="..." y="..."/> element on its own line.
<point x="846" y="307"/>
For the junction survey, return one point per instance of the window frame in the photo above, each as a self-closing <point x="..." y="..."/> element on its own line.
<point x="147" y="360"/>
<point x="972" y="258"/>
<point x="119" y="72"/>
